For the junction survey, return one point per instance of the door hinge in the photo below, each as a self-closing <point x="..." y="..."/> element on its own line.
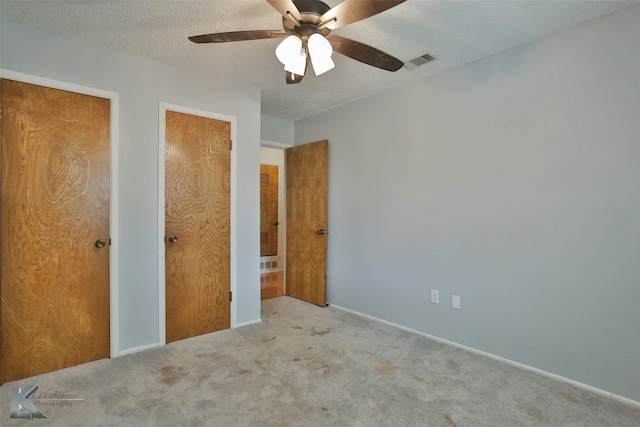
<point x="230" y="144"/>
<point x="230" y="296"/>
<point x="109" y="241"/>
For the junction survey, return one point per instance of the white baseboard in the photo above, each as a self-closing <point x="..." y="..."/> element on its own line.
<point x="556" y="377"/>
<point x="250" y="322"/>
<point x="137" y="349"/>
<point x="150" y="346"/>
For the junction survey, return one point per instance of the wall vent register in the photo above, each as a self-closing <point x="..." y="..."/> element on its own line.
<point x="420" y="60"/>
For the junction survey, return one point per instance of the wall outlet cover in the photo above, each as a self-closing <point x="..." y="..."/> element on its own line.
<point x="435" y="296"/>
<point x="455" y="302"/>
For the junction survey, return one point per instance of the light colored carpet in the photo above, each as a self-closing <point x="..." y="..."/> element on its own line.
<point x="310" y="366"/>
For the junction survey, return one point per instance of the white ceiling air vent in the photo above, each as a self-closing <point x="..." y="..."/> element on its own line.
<point x="420" y="60"/>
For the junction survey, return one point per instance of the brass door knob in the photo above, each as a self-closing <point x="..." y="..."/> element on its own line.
<point x="173" y="239"/>
<point x="99" y="243"/>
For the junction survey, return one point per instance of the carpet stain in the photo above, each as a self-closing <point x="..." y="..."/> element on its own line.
<point x="171" y="375"/>
<point x="357" y="335"/>
<point x="321" y="366"/>
<point x="310" y="348"/>
<point x="449" y="420"/>
<point x="419" y="379"/>
<point x="571" y="398"/>
<point x="296" y="359"/>
<point x="244" y="372"/>
<point x="207" y="355"/>
<point x="386" y="368"/>
<point x="453" y="365"/>
<point x="531" y="410"/>
<point x="321" y="333"/>
<point x="254" y="408"/>
<point x="270" y="339"/>
<point x="148" y="404"/>
<point x="324" y="409"/>
<point x="296" y="327"/>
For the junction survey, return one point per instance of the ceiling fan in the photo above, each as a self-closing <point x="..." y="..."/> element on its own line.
<point x="307" y="24"/>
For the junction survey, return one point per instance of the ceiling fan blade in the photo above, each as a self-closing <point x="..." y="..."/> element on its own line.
<point x="293" y="79"/>
<point x="364" y="53"/>
<point x="287" y="9"/>
<point x="236" y="36"/>
<point x="350" y="11"/>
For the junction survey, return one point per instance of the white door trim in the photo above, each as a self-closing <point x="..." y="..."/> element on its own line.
<point x="114" y="275"/>
<point x="274" y="144"/>
<point x="162" y="303"/>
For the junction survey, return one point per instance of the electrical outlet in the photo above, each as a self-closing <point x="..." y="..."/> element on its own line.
<point x="435" y="296"/>
<point x="455" y="302"/>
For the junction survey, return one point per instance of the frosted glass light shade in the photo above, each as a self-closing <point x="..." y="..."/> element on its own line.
<point x="320" y="51"/>
<point x="297" y="64"/>
<point x="289" y="48"/>
<point x="291" y="54"/>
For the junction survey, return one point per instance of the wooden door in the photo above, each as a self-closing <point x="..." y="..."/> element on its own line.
<point x="55" y="207"/>
<point x="307" y="193"/>
<point x="197" y="215"/>
<point x="268" y="210"/>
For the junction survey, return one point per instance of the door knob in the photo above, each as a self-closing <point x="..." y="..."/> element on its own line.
<point x="99" y="244"/>
<point x="173" y="239"/>
<point x="322" y="231"/>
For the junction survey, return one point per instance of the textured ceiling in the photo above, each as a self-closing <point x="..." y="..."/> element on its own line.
<point x="454" y="32"/>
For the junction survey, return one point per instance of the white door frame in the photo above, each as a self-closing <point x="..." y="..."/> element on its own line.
<point x="114" y="275"/>
<point x="162" y="137"/>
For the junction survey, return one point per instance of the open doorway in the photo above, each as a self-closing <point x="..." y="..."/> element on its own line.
<point x="272" y="223"/>
<point x="301" y="230"/>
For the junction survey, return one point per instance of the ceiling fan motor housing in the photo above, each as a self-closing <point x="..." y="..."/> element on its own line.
<point x="311" y="11"/>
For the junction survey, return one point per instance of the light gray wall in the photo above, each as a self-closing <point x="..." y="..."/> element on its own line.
<point x="512" y="182"/>
<point x="275" y="129"/>
<point x="142" y="84"/>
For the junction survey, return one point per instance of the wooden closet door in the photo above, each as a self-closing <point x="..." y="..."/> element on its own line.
<point x="197" y="225"/>
<point x="55" y="214"/>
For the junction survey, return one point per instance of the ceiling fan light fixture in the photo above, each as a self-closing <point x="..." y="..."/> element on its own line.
<point x="320" y="51"/>
<point x="288" y="49"/>
<point x="292" y="55"/>
<point x="297" y="64"/>
<point x="322" y="65"/>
